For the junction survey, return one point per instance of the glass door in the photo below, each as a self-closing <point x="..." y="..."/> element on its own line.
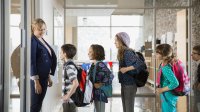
<point x="83" y="26"/>
<point x="15" y="53"/>
<point x="1" y="57"/>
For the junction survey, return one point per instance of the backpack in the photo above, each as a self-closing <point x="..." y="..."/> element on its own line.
<point x="143" y="75"/>
<point x="78" y="96"/>
<point x="107" y="88"/>
<point x="184" y="81"/>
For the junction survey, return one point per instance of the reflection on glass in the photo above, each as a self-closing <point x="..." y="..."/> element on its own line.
<point x="93" y="35"/>
<point x="58" y="29"/>
<point x="15" y="36"/>
<point x="127" y="20"/>
<point x="94" y="21"/>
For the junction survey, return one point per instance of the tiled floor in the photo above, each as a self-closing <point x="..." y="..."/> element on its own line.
<point x="142" y="104"/>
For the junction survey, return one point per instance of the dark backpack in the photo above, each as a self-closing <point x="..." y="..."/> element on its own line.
<point x="143" y="75"/>
<point x="78" y="96"/>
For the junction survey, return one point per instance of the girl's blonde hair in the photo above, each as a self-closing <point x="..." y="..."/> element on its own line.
<point x="37" y="23"/>
<point x="166" y="51"/>
<point x="121" y="49"/>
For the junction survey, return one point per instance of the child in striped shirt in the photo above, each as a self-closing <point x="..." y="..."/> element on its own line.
<point x="68" y="51"/>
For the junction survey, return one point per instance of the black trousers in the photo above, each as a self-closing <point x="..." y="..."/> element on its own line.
<point x="37" y="99"/>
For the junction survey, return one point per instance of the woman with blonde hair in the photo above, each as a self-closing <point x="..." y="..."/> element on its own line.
<point x="43" y="64"/>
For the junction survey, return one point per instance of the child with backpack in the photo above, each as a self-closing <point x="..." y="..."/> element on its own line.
<point x="196" y="86"/>
<point x="168" y="80"/>
<point x="68" y="51"/>
<point x="129" y="66"/>
<point x="100" y="77"/>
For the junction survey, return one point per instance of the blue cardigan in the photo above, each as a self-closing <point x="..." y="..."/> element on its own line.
<point x="130" y="59"/>
<point x="41" y="61"/>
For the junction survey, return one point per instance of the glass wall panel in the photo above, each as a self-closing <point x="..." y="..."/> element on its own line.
<point x="1" y="58"/>
<point x="127" y="20"/>
<point x="93" y="35"/>
<point x="58" y="27"/>
<point x="171" y="28"/>
<point x="94" y="21"/>
<point x="14" y="51"/>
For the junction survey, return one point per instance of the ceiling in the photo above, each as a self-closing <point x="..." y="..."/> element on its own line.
<point x="95" y="7"/>
<point x="103" y="7"/>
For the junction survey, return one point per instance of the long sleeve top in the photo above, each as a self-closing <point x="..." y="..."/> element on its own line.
<point x="168" y="78"/>
<point x="102" y="75"/>
<point x="42" y="62"/>
<point x="130" y="59"/>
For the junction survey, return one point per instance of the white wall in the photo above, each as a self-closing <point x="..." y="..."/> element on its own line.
<point x="52" y="100"/>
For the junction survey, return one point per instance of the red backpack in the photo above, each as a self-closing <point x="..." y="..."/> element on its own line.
<point x="182" y="77"/>
<point x="78" y="96"/>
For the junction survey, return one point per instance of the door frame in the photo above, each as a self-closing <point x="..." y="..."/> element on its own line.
<point x="25" y="56"/>
<point x="5" y="53"/>
<point x="1" y="55"/>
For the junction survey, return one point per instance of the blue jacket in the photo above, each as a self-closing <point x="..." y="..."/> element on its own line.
<point x="130" y="59"/>
<point x="41" y="61"/>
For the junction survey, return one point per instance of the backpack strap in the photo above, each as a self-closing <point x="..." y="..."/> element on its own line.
<point x="94" y="70"/>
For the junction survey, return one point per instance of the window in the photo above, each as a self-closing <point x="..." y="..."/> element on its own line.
<point x="102" y="29"/>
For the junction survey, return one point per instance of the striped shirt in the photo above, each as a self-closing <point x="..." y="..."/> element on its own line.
<point x="69" y="74"/>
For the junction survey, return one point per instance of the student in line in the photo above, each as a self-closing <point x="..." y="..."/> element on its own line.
<point x="129" y="65"/>
<point x="43" y="64"/>
<point x="168" y="80"/>
<point x="68" y="51"/>
<point x="196" y="86"/>
<point x="98" y="77"/>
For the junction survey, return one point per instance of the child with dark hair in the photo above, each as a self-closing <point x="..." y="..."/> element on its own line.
<point x="196" y="86"/>
<point x="68" y="51"/>
<point x="99" y="75"/>
<point x="168" y="80"/>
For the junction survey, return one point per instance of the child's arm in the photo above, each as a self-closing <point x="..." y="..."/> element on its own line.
<point x="72" y="90"/>
<point x="72" y="75"/>
<point x="161" y="90"/>
<point x="169" y="75"/>
<point x="105" y="75"/>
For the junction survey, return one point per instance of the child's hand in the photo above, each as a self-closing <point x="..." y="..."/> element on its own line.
<point x="123" y="70"/>
<point x="159" y="91"/>
<point x="65" y="98"/>
<point x="97" y="85"/>
<point x="50" y="82"/>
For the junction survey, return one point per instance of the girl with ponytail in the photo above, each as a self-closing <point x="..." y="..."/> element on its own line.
<point x="168" y="81"/>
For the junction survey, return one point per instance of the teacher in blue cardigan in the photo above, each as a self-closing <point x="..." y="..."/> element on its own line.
<point x="43" y="64"/>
